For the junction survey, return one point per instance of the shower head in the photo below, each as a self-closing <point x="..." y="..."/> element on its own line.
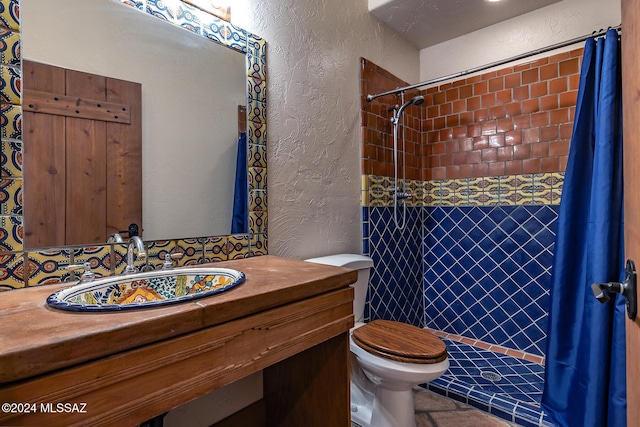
<point x="416" y="100"/>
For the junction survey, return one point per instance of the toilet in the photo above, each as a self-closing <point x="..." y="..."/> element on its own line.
<point x="388" y="358"/>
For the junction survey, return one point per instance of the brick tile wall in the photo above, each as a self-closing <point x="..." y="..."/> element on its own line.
<point x="517" y="120"/>
<point x="377" y="131"/>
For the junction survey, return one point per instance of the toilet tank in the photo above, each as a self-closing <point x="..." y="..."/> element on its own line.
<point x="360" y="263"/>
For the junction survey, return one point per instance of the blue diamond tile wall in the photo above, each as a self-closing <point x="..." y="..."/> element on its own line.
<point x="395" y="286"/>
<point x="478" y="269"/>
<point x="487" y="271"/>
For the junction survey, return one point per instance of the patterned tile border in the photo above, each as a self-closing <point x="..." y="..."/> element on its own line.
<point x="375" y="191"/>
<point x="47" y="266"/>
<point x="533" y="189"/>
<point x="19" y="267"/>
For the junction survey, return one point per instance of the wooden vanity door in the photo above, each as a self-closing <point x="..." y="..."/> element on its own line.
<point x="82" y="168"/>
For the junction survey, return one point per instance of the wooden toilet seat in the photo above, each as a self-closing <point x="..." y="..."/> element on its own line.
<point x="400" y="342"/>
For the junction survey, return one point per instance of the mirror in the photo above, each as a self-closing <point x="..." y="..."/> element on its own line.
<point x="191" y="90"/>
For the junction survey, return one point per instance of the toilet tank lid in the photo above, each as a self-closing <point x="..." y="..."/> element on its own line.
<point x="353" y="261"/>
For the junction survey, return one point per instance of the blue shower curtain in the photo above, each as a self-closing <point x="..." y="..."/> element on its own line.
<point x="239" y="220"/>
<point x="585" y="382"/>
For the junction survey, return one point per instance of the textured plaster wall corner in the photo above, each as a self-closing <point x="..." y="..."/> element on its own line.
<point x="544" y="27"/>
<point x="314" y="162"/>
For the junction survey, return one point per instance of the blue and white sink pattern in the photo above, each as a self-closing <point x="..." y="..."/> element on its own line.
<point x="145" y="290"/>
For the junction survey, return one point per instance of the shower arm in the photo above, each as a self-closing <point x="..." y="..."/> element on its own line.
<point x="627" y="288"/>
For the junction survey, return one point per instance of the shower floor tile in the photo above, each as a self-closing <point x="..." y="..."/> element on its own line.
<point x="505" y="386"/>
<point x="503" y="375"/>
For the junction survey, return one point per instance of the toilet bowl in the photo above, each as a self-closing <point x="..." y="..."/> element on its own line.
<point x="388" y="358"/>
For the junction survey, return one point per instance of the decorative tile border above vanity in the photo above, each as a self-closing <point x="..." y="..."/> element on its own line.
<point x="47" y="266"/>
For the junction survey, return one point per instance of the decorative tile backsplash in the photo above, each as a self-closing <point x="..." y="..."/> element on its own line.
<point x="48" y="266"/>
<point x="19" y="267"/>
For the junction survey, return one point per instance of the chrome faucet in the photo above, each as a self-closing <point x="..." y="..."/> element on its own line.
<point x="115" y="238"/>
<point x="135" y="242"/>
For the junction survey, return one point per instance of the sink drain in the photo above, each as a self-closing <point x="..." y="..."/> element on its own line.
<point x="490" y="376"/>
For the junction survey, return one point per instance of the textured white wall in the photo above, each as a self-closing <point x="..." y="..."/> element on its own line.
<point x="544" y="27"/>
<point x="313" y="131"/>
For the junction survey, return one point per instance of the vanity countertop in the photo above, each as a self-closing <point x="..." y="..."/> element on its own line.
<point x="36" y="339"/>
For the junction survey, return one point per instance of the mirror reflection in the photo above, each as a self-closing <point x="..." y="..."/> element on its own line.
<point x="191" y="92"/>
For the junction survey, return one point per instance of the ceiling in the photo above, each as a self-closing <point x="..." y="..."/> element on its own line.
<point x="428" y="22"/>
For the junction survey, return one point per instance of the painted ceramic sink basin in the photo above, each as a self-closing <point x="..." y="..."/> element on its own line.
<point x="146" y="290"/>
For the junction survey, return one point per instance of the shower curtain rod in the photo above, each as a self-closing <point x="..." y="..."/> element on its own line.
<point x="495" y="64"/>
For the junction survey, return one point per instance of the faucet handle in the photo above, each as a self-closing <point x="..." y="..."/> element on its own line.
<point x="168" y="260"/>
<point x="87" y="276"/>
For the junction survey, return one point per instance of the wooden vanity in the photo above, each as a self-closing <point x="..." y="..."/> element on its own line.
<point x="289" y="318"/>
